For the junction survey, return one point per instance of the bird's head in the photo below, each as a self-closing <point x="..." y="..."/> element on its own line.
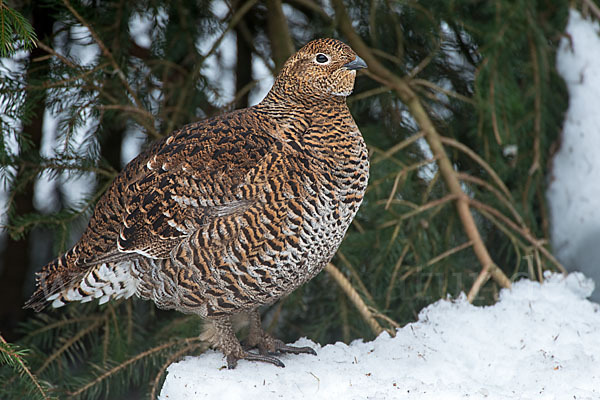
<point x="323" y="68"/>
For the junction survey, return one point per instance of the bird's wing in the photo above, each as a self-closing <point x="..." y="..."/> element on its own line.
<point x="205" y="171"/>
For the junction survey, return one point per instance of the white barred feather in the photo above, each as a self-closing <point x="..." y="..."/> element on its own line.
<point x="105" y="282"/>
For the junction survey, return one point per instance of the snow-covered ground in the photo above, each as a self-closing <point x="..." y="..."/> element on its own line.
<point x="574" y="192"/>
<point x="536" y="342"/>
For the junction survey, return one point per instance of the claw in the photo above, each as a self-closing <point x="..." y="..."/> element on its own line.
<point x="284" y="348"/>
<point x="232" y="360"/>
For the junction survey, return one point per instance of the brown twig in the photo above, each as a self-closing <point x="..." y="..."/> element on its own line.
<point x="493" y="175"/>
<point x="397" y="147"/>
<point x="524" y="233"/>
<point x="354" y="297"/>
<point x="595" y="9"/>
<point x="449" y="93"/>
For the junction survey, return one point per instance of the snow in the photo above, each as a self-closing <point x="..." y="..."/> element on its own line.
<point x="537" y="342"/>
<point x="575" y="183"/>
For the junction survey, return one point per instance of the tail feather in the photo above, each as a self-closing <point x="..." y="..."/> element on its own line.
<point x="56" y="287"/>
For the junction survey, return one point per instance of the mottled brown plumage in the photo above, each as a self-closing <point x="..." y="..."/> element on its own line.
<point x="232" y="212"/>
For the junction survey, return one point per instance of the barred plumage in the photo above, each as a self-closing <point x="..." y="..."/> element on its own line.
<point x="232" y="212"/>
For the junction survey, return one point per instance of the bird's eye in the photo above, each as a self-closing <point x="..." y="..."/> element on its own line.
<point x="322" y="58"/>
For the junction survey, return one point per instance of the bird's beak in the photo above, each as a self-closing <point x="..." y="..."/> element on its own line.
<point x="357" y="63"/>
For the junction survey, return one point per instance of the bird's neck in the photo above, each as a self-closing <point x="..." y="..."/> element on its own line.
<point x="296" y="117"/>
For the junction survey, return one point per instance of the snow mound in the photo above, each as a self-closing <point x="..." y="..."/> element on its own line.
<point x="539" y="341"/>
<point x="575" y="182"/>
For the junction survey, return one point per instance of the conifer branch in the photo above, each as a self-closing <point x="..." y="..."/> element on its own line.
<point x="475" y="157"/>
<point x="107" y="53"/>
<point x="355" y="275"/>
<point x="449" y="93"/>
<point x="130" y="361"/>
<point x="419" y="209"/>
<point x="14" y="26"/>
<point x="14" y="357"/>
<point x="478" y="181"/>
<point x="59" y="324"/>
<point x="592" y="6"/>
<point x="523" y="232"/>
<point x="388" y="295"/>
<point x="235" y="19"/>
<point x="409" y="98"/>
<point x="69" y="343"/>
<point x="279" y="33"/>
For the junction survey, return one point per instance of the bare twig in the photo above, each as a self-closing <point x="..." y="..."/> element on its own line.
<point x="354" y="297"/>
<point x="595" y="9"/>
<point x="397" y="147"/>
<point x="524" y="233"/>
<point x="449" y="93"/>
<point x="478" y="160"/>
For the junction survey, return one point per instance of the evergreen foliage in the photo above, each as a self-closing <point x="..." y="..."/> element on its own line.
<point x="15" y="31"/>
<point x="483" y="72"/>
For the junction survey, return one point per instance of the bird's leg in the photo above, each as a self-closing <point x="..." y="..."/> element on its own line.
<point x="225" y="340"/>
<point x="266" y="343"/>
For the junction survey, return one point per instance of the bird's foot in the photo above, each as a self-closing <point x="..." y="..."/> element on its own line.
<point x="267" y="345"/>
<point x="281" y="347"/>
<point x="232" y="359"/>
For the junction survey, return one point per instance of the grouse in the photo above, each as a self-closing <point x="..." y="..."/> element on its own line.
<point x="232" y="212"/>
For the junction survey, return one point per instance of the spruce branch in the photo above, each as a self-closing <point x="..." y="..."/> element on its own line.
<point x="536" y="243"/>
<point x="409" y="98"/>
<point x="69" y="343"/>
<point x="117" y="70"/>
<point x="118" y="368"/>
<point x="390" y="289"/>
<point x="14" y="27"/>
<point x="387" y="154"/>
<point x="13" y="356"/>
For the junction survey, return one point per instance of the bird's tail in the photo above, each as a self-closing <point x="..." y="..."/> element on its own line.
<point x="57" y="284"/>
